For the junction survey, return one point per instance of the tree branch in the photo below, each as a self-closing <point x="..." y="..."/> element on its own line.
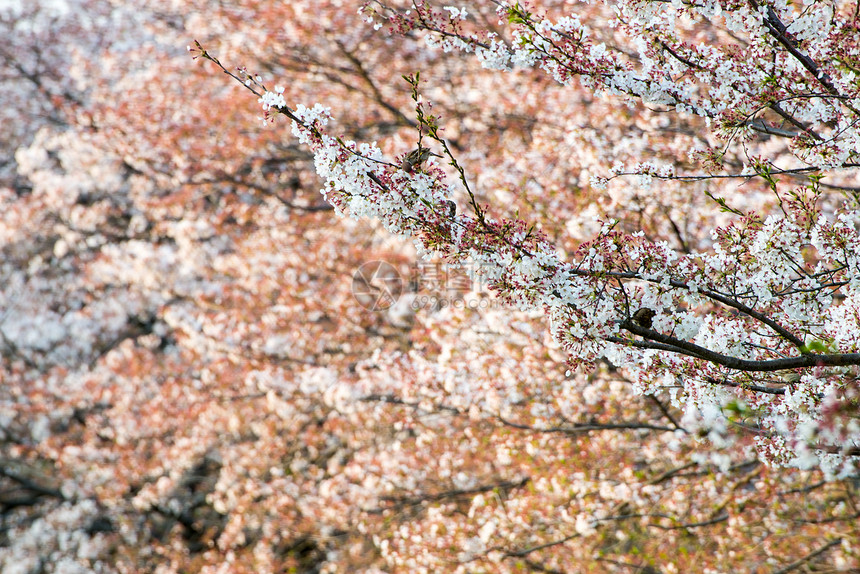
<point x="579" y="428"/>
<point x="801" y="561"/>
<point x="403" y="501"/>
<point x="668" y="343"/>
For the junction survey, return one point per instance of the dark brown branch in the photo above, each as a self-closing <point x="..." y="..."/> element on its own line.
<point x="671" y="473"/>
<point x="778" y="30"/>
<point x="749" y="387"/>
<point x="579" y="428"/>
<point x="374" y="89"/>
<point x="265" y="191"/>
<point x="832" y="449"/>
<point x="394" y="400"/>
<point x="791" y="119"/>
<point x="535" y="566"/>
<point x="717" y="520"/>
<point x="803" y="560"/>
<point x="526" y="551"/>
<point x="805" y="489"/>
<point x="666" y="412"/>
<point x="669" y="343"/>
<point x="714" y="295"/>
<point x="829" y="520"/>
<point x="678" y="57"/>
<point x="403" y="501"/>
<point x="31" y="486"/>
<point x="762" y="127"/>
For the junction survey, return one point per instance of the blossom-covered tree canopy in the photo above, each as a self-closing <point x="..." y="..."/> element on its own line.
<point x="625" y="241"/>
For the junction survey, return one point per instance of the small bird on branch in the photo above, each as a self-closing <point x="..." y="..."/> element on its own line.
<point x="415" y="158"/>
<point x="643" y="316"/>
